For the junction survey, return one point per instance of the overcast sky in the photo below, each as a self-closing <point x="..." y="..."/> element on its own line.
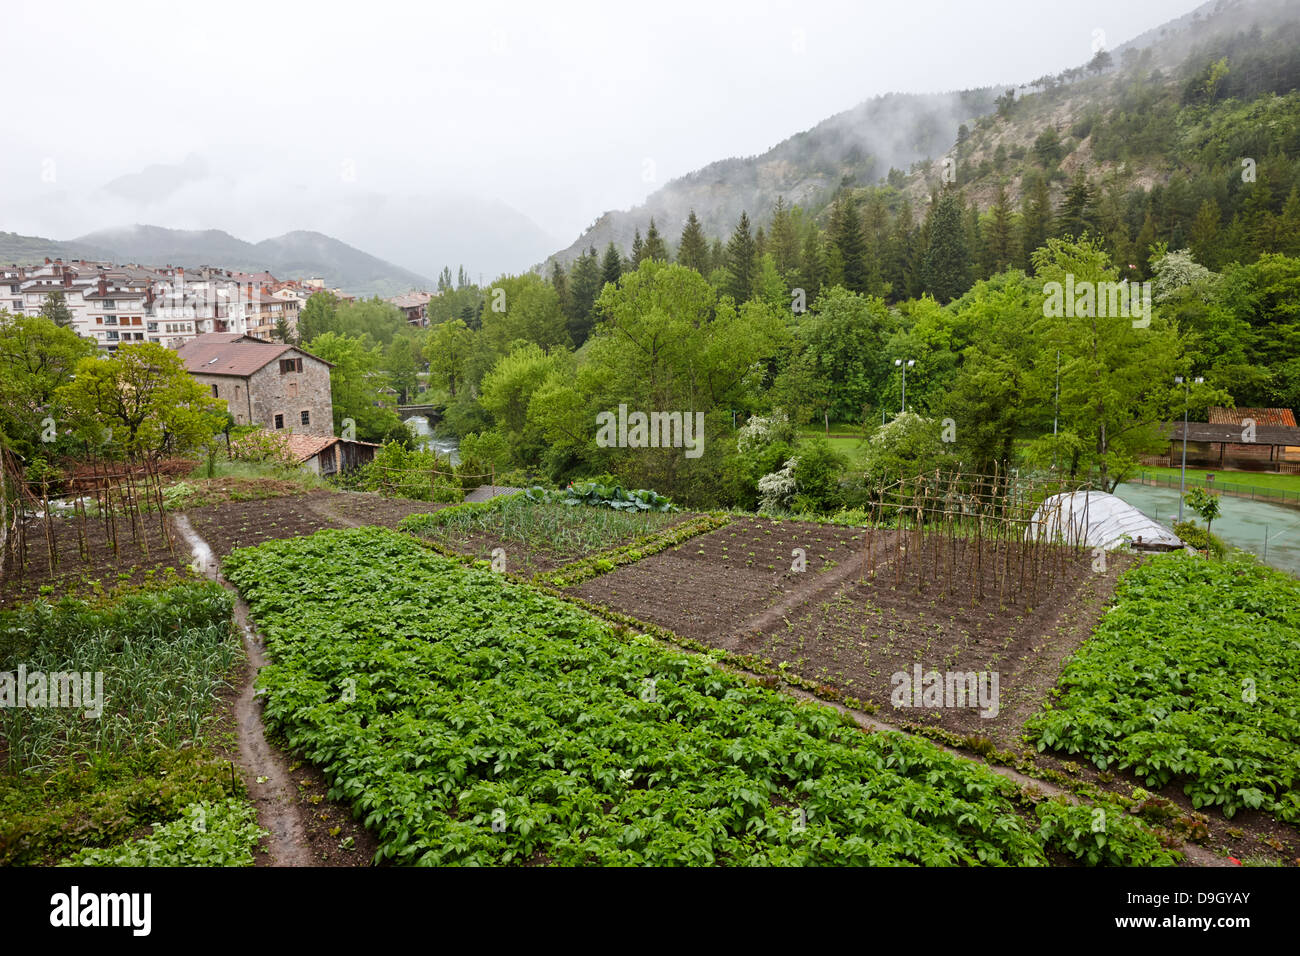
<point x="561" y="110"/>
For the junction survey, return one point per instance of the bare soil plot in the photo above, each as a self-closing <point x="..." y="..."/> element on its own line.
<point x="868" y="631"/>
<point x="107" y="567"/>
<point x="712" y="587"/>
<point x="369" y="509"/>
<point x="238" y="524"/>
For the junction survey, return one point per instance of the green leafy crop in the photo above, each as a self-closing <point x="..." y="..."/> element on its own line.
<point x="1191" y="677"/>
<point x="469" y="719"/>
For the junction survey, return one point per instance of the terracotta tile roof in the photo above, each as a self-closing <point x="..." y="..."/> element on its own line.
<point x="303" y="447"/>
<point x="410" y="300"/>
<point x="1264" y="417"/>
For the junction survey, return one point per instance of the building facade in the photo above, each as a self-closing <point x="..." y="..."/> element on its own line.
<point x="281" y="387"/>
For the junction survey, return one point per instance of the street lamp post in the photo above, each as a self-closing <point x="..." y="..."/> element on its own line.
<point x="898" y="363"/>
<point x="1182" y="481"/>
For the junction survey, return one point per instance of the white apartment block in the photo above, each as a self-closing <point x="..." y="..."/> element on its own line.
<point x="123" y="304"/>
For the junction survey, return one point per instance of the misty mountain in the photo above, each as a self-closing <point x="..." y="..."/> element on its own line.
<point x="916" y="133"/>
<point x="425" y="233"/>
<point x="29" y="250"/>
<point x="857" y="147"/>
<point x="294" y="255"/>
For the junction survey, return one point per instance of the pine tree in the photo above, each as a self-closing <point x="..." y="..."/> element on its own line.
<point x="900" y="268"/>
<point x="560" y="282"/>
<point x="970" y="221"/>
<point x="55" y="308"/>
<point x="1257" y="216"/>
<point x="945" y="270"/>
<point x="655" y="247"/>
<point x="875" y="236"/>
<point x="1036" y="218"/>
<point x="1076" y="216"/>
<point x="1289" y="225"/>
<point x="846" y="235"/>
<point x="741" y="261"/>
<point x="717" y="255"/>
<point x="998" y="237"/>
<point x="694" y="249"/>
<point x="611" y="267"/>
<point x="760" y="243"/>
<point x="638" y="249"/>
<point x="584" y="286"/>
<point x="1205" y="234"/>
<point x="813" y="273"/>
<point x="783" y="240"/>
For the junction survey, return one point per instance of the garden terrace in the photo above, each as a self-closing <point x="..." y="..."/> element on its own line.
<point x="167" y="657"/>
<point x="474" y="720"/>
<point x="717" y="585"/>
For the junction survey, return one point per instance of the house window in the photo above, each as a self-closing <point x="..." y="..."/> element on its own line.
<point x="214" y="391"/>
<point x="290" y="365"/>
<point x="306" y="417"/>
<point x="110" y="304"/>
<point x="279" y="421"/>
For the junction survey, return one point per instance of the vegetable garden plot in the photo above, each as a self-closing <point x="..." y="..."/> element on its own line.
<point x="1191" y="679"/>
<point x="237" y="524"/>
<point x="470" y="719"/>
<point x="709" y="586"/>
<point x="870" y="632"/>
<point x="536" y="536"/>
<point x="164" y="659"/>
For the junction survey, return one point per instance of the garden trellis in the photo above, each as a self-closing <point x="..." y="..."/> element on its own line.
<point x="106" y="505"/>
<point x="943" y="532"/>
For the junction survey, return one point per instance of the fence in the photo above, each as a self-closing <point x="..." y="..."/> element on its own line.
<point x="1278" y="495"/>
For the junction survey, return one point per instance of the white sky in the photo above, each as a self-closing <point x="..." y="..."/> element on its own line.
<point x="553" y="108"/>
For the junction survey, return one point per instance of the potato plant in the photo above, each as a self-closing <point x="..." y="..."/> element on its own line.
<point x="469" y="719"/>
<point x="1190" y="678"/>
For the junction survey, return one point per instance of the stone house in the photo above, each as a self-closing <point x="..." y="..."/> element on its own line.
<point x="281" y="387"/>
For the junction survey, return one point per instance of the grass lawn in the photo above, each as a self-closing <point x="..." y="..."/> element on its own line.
<point x="845" y="439"/>
<point x="1233" y="479"/>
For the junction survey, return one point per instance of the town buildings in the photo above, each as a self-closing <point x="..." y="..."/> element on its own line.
<point x="117" y="304"/>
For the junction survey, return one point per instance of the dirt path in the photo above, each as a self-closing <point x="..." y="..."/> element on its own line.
<point x="819" y="586"/>
<point x="270" y="786"/>
<point x="324" y="511"/>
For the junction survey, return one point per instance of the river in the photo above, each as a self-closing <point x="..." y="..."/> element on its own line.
<point x="419" y="426"/>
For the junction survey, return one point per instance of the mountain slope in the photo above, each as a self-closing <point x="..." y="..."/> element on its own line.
<point x="855" y="147"/>
<point x="294" y="255"/>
